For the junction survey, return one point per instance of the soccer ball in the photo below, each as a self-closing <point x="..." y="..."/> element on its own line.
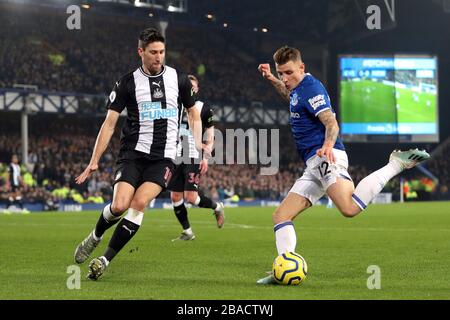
<point x="289" y="268"/>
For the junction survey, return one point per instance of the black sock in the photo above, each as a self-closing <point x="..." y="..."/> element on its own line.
<point x="19" y="202"/>
<point x="103" y="224"/>
<point x="181" y="214"/>
<point x="10" y="202"/>
<point x="125" y="230"/>
<point x="206" y="202"/>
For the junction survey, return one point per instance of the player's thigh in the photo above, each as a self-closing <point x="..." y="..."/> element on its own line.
<point x="122" y="196"/>
<point x="145" y="193"/>
<point x="340" y="193"/>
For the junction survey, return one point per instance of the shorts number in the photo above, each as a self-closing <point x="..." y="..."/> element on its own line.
<point x="323" y="169"/>
<point x="194" y="178"/>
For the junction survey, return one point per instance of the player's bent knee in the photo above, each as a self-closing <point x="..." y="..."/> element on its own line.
<point x="119" y="207"/>
<point x="176" y="197"/>
<point x="190" y="198"/>
<point x="280" y="217"/>
<point x="349" y="212"/>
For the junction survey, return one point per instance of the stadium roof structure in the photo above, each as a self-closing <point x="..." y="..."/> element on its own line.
<point x="307" y="21"/>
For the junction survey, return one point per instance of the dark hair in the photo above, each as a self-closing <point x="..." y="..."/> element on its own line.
<point x="286" y="54"/>
<point x="148" y="36"/>
<point x="193" y="78"/>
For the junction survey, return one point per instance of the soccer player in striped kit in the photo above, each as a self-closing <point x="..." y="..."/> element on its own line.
<point x="185" y="181"/>
<point x="152" y="95"/>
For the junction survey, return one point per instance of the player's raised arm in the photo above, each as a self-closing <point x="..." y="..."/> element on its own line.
<point x="103" y="138"/>
<point x="328" y="119"/>
<point x="264" y="68"/>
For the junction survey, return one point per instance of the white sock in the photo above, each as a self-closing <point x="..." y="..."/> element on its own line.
<point x="188" y="231"/>
<point x="285" y="237"/>
<point x="134" y="216"/>
<point x="178" y="203"/>
<point x="197" y="201"/>
<point x="108" y="215"/>
<point x="104" y="260"/>
<point x="372" y="185"/>
<point x="95" y="237"/>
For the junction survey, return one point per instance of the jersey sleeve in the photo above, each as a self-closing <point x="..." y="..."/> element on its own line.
<point x="118" y="97"/>
<point x="186" y="92"/>
<point x="207" y="117"/>
<point x="317" y="100"/>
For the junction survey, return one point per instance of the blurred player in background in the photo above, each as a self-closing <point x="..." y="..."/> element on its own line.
<point x="315" y="131"/>
<point x="186" y="179"/>
<point x="152" y="95"/>
<point x="15" y="182"/>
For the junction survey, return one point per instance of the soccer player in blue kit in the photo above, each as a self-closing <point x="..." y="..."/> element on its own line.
<point x="316" y="134"/>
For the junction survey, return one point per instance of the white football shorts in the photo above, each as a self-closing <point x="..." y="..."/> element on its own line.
<point x="319" y="175"/>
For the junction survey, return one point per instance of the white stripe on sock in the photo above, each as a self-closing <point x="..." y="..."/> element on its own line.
<point x="178" y="203"/>
<point x="134" y="216"/>
<point x="107" y="214"/>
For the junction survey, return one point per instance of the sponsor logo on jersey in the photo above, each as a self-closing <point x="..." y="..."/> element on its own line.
<point x="317" y="101"/>
<point x="295" y="115"/>
<point x="153" y="111"/>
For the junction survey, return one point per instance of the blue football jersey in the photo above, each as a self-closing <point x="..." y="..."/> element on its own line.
<point x="309" y="99"/>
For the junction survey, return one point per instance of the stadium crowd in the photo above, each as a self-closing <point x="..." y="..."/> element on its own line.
<point x="59" y="151"/>
<point x="90" y="60"/>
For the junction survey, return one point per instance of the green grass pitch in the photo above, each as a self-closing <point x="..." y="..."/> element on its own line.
<point x="368" y="101"/>
<point x="409" y="242"/>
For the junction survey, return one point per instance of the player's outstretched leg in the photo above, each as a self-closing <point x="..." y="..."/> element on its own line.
<point x="285" y="236"/>
<point x="372" y="185"/>
<point x="351" y="201"/>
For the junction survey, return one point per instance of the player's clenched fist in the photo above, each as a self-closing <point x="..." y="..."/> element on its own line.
<point x="264" y="68"/>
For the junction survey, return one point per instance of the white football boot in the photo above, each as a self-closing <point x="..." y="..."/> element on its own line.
<point x="409" y="159"/>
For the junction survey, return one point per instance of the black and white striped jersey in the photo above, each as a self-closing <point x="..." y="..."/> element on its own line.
<point x="14" y="174"/>
<point x="153" y="106"/>
<point x="186" y="141"/>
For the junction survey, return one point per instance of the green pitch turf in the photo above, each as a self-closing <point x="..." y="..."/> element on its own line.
<point x="368" y="101"/>
<point x="410" y="243"/>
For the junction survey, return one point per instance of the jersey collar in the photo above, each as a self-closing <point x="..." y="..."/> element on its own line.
<point x="150" y="76"/>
